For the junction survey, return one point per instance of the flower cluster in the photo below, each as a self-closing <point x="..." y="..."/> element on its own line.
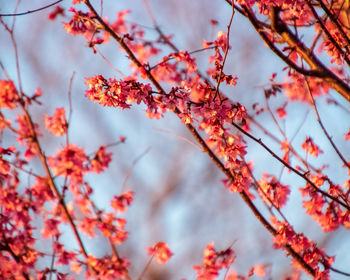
<point x="8" y="94"/>
<point x="213" y="262"/>
<point x="329" y="215"/>
<point x="26" y="136"/>
<point x="81" y="23"/>
<point x="101" y="160"/>
<point x="121" y="202"/>
<point x="107" y="267"/>
<point x="69" y="162"/>
<point x="305" y="247"/>
<point x="297" y="89"/>
<point x="328" y="46"/>
<point x="272" y="191"/>
<point x="161" y="252"/>
<point x="56" y="12"/>
<point x="311" y="148"/>
<point x="57" y="124"/>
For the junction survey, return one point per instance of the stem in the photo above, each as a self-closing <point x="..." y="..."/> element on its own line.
<point x="322" y="126"/>
<point x="225" y="55"/>
<point x="146" y="267"/>
<point x="31" y="11"/>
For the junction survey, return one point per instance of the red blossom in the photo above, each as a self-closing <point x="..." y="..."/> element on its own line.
<point x="119" y="26"/>
<point x="41" y="193"/>
<point x="119" y="236"/>
<point x="273" y="191"/>
<point x="230" y="80"/>
<point x="25" y="136"/>
<point x="328" y="45"/>
<point x="8" y="94"/>
<point x="57" y="11"/>
<point x="161" y="252"/>
<point x="100" y="160"/>
<point x="108" y="93"/>
<point x="281" y="112"/>
<point x="297" y="89"/>
<point x="285" y="146"/>
<point x="64" y="257"/>
<point x="328" y="215"/>
<point x="184" y="56"/>
<point x="4" y="167"/>
<point x="121" y="202"/>
<point x="311" y="148"/>
<point x="82" y="23"/>
<point x="347" y="135"/>
<point x="76" y="267"/>
<point x="259" y="270"/>
<point x="88" y="226"/>
<point x="51" y="228"/>
<point x="112" y="227"/>
<point x="8" y="151"/>
<point x="221" y="41"/>
<point x="57" y="124"/>
<point x="107" y="267"/>
<point x="305" y="247"/>
<point x="69" y="162"/>
<point x="213" y="262"/>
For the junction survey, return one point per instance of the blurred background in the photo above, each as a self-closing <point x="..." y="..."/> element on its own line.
<point x="179" y="196"/>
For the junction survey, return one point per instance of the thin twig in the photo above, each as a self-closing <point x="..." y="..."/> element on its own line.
<point x="31" y="173"/>
<point x="178" y="136"/>
<point x="52" y="259"/>
<point x="225" y="55"/>
<point x="135" y="161"/>
<point x="70" y="105"/>
<point x="274" y="138"/>
<point x="322" y="126"/>
<point x="109" y="63"/>
<point x="30" y="11"/>
<point x="191" y="52"/>
<point x="274" y="119"/>
<point x="145" y="268"/>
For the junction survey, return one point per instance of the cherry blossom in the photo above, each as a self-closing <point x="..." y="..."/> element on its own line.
<point x="8" y="94"/>
<point x="161" y="252"/>
<point x="57" y="124"/>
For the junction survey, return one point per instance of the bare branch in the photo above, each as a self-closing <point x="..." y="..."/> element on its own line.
<point x="31" y="11"/>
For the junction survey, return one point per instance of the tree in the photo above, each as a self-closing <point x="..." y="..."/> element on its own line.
<point x="58" y="218"/>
